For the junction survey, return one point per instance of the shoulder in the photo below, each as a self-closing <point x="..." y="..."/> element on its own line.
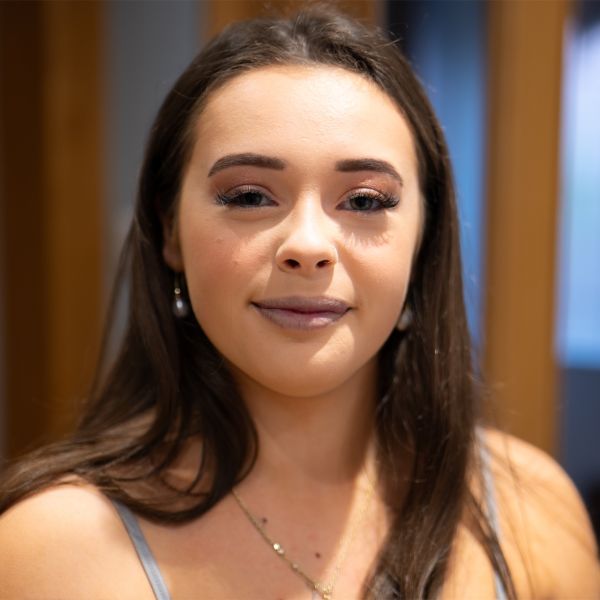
<point x="545" y="529"/>
<point x="63" y="542"/>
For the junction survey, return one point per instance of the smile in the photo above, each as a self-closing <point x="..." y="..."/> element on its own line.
<point x="297" y="312"/>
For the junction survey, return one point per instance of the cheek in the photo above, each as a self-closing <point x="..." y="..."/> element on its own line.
<point x="208" y="262"/>
<point x="385" y="302"/>
<point x="383" y="275"/>
<point x="220" y="268"/>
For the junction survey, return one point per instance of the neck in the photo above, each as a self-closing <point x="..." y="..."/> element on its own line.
<point x="321" y="441"/>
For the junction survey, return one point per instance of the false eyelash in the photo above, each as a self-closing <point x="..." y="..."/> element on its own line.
<point x="389" y="201"/>
<point x="225" y="199"/>
<point x="384" y="200"/>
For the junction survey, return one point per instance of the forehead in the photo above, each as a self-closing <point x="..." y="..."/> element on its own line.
<point x="315" y="110"/>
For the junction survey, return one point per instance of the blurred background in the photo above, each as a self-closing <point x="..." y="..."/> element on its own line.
<point x="516" y="84"/>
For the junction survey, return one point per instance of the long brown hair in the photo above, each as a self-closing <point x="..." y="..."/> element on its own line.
<point x="168" y="383"/>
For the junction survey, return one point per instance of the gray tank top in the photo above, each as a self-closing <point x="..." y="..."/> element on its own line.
<point x="143" y="551"/>
<point x="162" y="593"/>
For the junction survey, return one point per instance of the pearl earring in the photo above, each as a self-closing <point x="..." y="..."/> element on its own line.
<point x="405" y="319"/>
<point x="181" y="307"/>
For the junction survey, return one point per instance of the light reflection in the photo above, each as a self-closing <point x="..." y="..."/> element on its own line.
<point x="578" y="326"/>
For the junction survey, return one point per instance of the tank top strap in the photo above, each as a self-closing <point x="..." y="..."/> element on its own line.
<point x="143" y="551"/>
<point x="491" y="504"/>
<point x="162" y="593"/>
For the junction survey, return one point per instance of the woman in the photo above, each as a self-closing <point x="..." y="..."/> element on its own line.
<point x="292" y="412"/>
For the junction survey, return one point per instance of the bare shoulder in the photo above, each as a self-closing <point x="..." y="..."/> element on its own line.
<point x="545" y="529"/>
<point x="66" y="541"/>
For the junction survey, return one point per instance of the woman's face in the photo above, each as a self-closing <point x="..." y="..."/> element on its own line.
<point x="297" y="223"/>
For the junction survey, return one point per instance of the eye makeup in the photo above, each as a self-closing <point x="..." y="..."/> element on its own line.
<point x="365" y="201"/>
<point x="245" y="197"/>
<point x="368" y="202"/>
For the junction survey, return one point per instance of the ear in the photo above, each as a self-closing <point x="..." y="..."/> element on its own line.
<point x="171" y="247"/>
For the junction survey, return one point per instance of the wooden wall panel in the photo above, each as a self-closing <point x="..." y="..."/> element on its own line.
<point x="220" y="14"/>
<point x="52" y="196"/>
<point x="23" y="235"/>
<point x="523" y="187"/>
<point x="75" y="179"/>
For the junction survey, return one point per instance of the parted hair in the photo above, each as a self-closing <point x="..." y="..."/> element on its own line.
<point x="167" y="383"/>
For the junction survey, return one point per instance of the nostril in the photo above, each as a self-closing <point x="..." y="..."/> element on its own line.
<point x="293" y="263"/>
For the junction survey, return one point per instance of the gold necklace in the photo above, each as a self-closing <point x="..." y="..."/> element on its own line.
<point x="322" y="590"/>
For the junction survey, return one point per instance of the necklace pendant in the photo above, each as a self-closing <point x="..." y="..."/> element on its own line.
<point x="321" y="592"/>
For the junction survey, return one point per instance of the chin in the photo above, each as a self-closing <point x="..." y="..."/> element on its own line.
<point x="304" y="368"/>
<point x="308" y="381"/>
<point x="302" y="388"/>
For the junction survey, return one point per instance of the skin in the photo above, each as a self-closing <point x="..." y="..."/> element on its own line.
<point x="314" y="423"/>
<point x="305" y="240"/>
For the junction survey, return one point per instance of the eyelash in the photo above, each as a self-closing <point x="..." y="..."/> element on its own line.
<point x="384" y="201"/>
<point x="235" y="198"/>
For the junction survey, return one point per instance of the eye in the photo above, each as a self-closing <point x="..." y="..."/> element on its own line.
<point x="368" y="202"/>
<point x="244" y="198"/>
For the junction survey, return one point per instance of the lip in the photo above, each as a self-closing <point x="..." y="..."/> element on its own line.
<point x="300" y="312"/>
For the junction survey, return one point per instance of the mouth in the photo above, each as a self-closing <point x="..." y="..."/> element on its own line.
<point x="298" y="312"/>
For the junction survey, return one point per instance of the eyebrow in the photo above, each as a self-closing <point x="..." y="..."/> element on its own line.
<point x="348" y="165"/>
<point x="368" y="164"/>
<point x="247" y="158"/>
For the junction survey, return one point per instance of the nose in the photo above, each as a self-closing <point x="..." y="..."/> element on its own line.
<point x="308" y="245"/>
